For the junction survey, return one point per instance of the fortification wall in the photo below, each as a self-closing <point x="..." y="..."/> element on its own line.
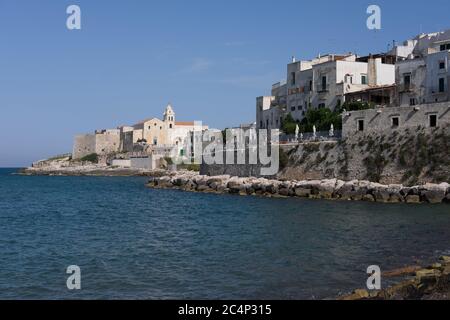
<point x="84" y="145"/>
<point x="107" y="143"/>
<point x="382" y="120"/>
<point x="95" y="143"/>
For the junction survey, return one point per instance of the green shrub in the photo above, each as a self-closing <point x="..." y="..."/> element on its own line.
<point x="93" y="157"/>
<point x="283" y="159"/>
<point x="189" y="167"/>
<point x="168" y="160"/>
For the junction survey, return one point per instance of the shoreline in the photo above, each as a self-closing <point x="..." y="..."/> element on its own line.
<point x="90" y="171"/>
<point x="328" y="189"/>
<point x="418" y="283"/>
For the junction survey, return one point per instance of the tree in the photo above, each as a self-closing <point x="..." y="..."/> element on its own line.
<point x="288" y="125"/>
<point x="354" y="106"/>
<point x="322" y="118"/>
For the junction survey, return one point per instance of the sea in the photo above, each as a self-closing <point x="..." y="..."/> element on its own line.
<point x="132" y="242"/>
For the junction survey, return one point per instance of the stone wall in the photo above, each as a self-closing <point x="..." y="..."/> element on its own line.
<point x="95" y="143"/>
<point x="107" y="143"/>
<point x="238" y="170"/>
<point x="84" y="145"/>
<point x="381" y="120"/>
<point x="124" y="163"/>
<point x="149" y="163"/>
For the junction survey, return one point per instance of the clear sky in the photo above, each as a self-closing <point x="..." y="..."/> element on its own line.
<point x="209" y="58"/>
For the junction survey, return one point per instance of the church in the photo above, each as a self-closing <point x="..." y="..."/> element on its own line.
<point x="149" y="136"/>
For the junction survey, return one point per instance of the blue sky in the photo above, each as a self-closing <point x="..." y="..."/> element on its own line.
<point x="209" y="58"/>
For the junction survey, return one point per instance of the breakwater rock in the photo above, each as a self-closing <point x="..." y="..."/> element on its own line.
<point x="314" y="189"/>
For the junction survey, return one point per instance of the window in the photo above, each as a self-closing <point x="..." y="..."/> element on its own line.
<point x="310" y="85"/>
<point x="293" y="108"/>
<point x="299" y="107"/>
<point x="170" y="126"/>
<point x="442" y="85"/>
<point x="360" y="125"/>
<point x="407" y="80"/>
<point x="261" y="124"/>
<point x="363" y="79"/>
<point x="433" y="120"/>
<point x="412" y="101"/>
<point x="442" y="65"/>
<point x="155" y="141"/>
<point x="324" y="83"/>
<point x="395" y="122"/>
<point x="445" y="47"/>
<point x="321" y="105"/>
<point x="293" y="78"/>
<point x="349" y="79"/>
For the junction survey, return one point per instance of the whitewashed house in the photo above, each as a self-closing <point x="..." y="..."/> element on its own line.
<point x="321" y="83"/>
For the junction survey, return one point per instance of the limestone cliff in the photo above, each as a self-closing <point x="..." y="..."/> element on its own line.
<point x="405" y="156"/>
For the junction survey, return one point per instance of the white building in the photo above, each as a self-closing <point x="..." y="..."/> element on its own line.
<point x="153" y="136"/>
<point x="321" y="83"/>
<point x="424" y="76"/>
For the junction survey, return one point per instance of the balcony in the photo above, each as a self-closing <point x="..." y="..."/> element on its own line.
<point x="406" y="87"/>
<point x="321" y="88"/>
<point x="438" y="91"/>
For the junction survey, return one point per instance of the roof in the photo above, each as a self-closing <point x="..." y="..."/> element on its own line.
<point x="144" y="121"/>
<point x="184" y="123"/>
<point x="375" y="88"/>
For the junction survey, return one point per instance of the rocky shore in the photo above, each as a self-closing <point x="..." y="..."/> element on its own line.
<point x="429" y="283"/>
<point x="313" y="189"/>
<point x="89" y="170"/>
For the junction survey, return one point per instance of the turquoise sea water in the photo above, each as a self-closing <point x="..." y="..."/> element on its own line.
<point x="134" y="242"/>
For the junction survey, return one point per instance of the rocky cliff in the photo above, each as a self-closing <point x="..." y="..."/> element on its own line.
<point x="410" y="157"/>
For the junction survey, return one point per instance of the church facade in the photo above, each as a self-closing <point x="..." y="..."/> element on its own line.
<point x="150" y="136"/>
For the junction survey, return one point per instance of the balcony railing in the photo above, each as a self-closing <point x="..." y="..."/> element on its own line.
<point x="323" y="88"/>
<point x="437" y="90"/>
<point x="406" y="87"/>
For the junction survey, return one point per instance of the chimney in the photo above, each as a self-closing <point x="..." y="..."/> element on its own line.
<point x="372" y="66"/>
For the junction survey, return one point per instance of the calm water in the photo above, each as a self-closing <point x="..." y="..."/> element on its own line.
<point x="133" y="242"/>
